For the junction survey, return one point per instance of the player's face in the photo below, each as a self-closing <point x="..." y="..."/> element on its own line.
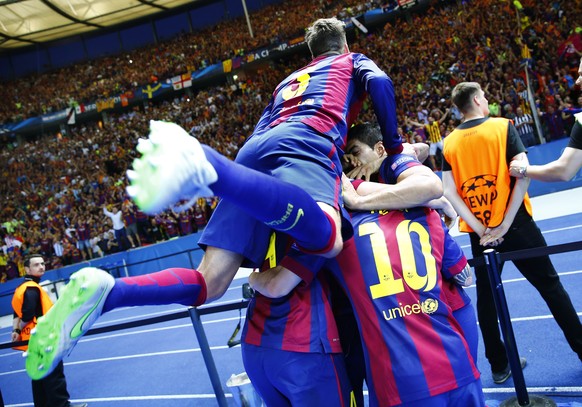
<point x="363" y="152"/>
<point x="579" y="80"/>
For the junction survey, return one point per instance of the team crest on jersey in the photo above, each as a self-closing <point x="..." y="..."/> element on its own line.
<point x="429" y="305"/>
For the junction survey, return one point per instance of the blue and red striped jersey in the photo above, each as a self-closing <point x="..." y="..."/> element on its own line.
<point x="391" y="271"/>
<point x="301" y="321"/>
<point x="392" y="167"/>
<point x="83" y="231"/>
<point x="327" y="95"/>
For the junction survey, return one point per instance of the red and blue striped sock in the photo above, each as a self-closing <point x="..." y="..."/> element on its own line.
<point x="170" y="286"/>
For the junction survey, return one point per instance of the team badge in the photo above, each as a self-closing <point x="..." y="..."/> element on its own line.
<point x="429" y="306"/>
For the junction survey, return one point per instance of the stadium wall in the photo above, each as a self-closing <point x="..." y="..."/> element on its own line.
<point x="181" y="252"/>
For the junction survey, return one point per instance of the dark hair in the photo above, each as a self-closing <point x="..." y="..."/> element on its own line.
<point x="463" y="93"/>
<point x="29" y="257"/>
<point x="324" y="35"/>
<point x="367" y="133"/>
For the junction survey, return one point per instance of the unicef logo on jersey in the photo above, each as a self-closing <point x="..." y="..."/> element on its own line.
<point x="428" y="306"/>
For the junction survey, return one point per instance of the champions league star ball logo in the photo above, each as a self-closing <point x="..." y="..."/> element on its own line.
<point x="487" y="181"/>
<point x="478" y="193"/>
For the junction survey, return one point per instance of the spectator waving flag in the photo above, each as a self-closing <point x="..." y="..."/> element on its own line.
<point x="182" y="81"/>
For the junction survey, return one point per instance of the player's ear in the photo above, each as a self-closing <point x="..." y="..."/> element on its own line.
<point x="379" y="149"/>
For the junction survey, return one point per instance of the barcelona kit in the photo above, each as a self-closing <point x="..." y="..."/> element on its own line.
<point x="290" y="345"/>
<point x="300" y="138"/>
<point x="390" y="270"/>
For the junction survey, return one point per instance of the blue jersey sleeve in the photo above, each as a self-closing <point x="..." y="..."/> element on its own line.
<point x="379" y="86"/>
<point x="394" y="165"/>
<point x="454" y="260"/>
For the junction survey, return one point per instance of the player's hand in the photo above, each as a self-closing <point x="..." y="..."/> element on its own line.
<point x="350" y="161"/>
<point x="449" y="221"/>
<point x="349" y="194"/>
<point x="445" y="209"/>
<point x="409" y="149"/>
<point x="365" y="171"/>
<point x="517" y="168"/>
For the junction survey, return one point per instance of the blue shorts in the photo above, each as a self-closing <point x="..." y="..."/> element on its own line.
<point x="470" y="395"/>
<point x="291" y="152"/>
<point x="284" y="378"/>
<point x="84" y="244"/>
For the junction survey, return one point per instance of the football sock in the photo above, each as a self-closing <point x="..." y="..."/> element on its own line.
<point x="280" y="205"/>
<point x="170" y="286"/>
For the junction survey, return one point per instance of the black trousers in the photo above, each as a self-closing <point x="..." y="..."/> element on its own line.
<point x="540" y="272"/>
<point x="52" y="390"/>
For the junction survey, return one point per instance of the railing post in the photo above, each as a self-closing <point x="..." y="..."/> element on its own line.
<point x="207" y="355"/>
<point x="523" y="399"/>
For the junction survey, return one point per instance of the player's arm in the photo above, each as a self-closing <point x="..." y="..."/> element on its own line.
<point x="381" y="90"/>
<point x="294" y="267"/>
<point x="274" y="283"/>
<point x="562" y="169"/>
<point x="420" y="149"/>
<point x="415" y="186"/>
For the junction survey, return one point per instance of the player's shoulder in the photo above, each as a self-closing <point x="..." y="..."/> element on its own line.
<point x="397" y="163"/>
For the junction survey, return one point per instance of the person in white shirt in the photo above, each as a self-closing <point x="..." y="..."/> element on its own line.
<point x="118" y="226"/>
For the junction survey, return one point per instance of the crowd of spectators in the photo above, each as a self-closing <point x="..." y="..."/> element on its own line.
<point x="113" y="75"/>
<point x="54" y="184"/>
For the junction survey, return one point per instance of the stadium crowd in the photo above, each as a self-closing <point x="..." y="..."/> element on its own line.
<point x="55" y="186"/>
<point x="88" y="81"/>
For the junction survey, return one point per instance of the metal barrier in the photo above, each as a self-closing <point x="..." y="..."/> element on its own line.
<point x="494" y="262"/>
<point x="194" y="313"/>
